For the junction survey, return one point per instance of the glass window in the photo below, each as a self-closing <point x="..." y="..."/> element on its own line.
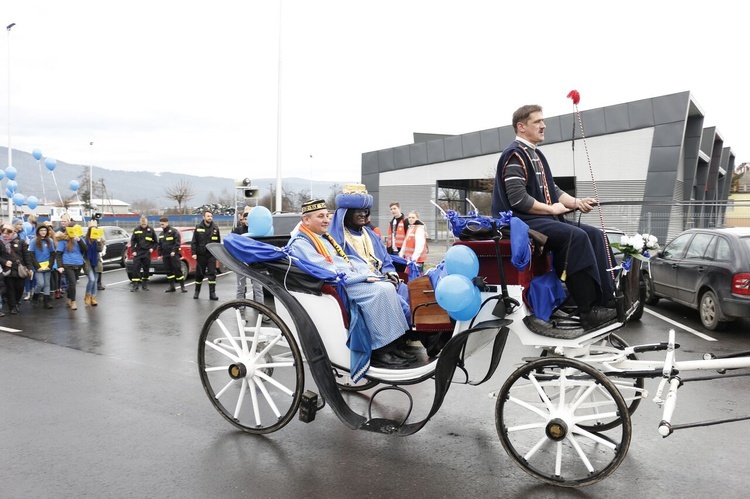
<point x="698" y="246"/>
<point x="723" y="251"/>
<point x="676" y="248"/>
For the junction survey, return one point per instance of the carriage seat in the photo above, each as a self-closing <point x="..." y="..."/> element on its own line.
<point x="485" y="250"/>
<point x="300" y="281"/>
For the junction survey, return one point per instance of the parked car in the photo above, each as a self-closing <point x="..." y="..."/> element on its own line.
<point x="707" y="270"/>
<point x="117" y="239"/>
<point x="186" y="255"/>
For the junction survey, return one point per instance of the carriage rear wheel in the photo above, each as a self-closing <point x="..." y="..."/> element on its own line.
<point x="251" y="369"/>
<point x="542" y="414"/>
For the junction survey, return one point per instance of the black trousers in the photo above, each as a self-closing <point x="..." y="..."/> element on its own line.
<point x="141" y="266"/>
<point x="206" y="268"/>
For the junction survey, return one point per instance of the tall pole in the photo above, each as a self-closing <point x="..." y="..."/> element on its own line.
<point x="311" y="176"/>
<point x="278" y="123"/>
<point x="10" y="149"/>
<point x="91" y="179"/>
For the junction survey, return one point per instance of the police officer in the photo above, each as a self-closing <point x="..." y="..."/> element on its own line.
<point x="142" y="242"/>
<point x="169" y="249"/>
<point x="206" y="232"/>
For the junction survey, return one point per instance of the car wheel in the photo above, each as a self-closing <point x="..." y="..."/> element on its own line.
<point x="649" y="296"/>
<point x="184" y="268"/>
<point x="710" y="311"/>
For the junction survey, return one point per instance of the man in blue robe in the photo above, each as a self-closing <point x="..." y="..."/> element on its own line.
<point x="374" y="296"/>
<point x="525" y="185"/>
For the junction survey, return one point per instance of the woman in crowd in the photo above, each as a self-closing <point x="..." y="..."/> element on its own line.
<point x="415" y="243"/>
<point x="92" y="264"/>
<point x="42" y="249"/>
<point x="14" y="251"/>
<point x="70" y="251"/>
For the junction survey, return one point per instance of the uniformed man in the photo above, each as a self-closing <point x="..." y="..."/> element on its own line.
<point x="169" y="249"/>
<point x="206" y="232"/>
<point x="142" y="242"/>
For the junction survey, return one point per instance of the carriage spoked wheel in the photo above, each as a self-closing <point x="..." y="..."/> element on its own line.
<point x="632" y="389"/>
<point x="543" y="417"/>
<point x="251" y="366"/>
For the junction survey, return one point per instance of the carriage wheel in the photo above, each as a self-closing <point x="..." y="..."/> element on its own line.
<point x="252" y="372"/>
<point x="542" y="413"/>
<point x="631" y="389"/>
<point x="346" y="384"/>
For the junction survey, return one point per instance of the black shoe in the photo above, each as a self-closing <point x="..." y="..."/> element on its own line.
<point x="212" y="296"/>
<point x="387" y="360"/>
<point x="598" y="316"/>
<point x="170" y="290"/>
<point x="100" y="286"/>
<point x="14" y="310"/>
<point x="409" y="357"/>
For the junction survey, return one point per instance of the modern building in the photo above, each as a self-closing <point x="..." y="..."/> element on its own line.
<point x="654" y="156"/>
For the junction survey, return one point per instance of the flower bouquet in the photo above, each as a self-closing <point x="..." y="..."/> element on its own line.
<point x="638" y="246"/>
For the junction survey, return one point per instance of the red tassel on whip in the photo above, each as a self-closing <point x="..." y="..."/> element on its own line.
<point x="574" y="96"/>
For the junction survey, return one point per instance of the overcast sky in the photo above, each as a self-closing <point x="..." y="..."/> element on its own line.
<point x="188" y="86"/>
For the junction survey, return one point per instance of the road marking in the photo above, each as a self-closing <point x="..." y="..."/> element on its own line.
<point x="681" y="326"/>
<point x="10" y="329"/>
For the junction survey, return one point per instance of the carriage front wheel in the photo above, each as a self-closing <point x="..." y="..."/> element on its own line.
<point x="544" y="415"/>
<point x="251" y="366"/>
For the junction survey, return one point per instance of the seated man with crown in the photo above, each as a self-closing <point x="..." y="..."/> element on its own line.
<point x="374" y="296"/>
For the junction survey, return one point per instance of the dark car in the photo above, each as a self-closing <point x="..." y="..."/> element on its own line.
<point x="116" y="239"/>
<point x="705" y="269"/>
<point x="186" y="255"/>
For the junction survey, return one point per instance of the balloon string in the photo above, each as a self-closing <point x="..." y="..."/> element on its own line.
<point x="41" y="176"/>
<point x="62" y="203"/>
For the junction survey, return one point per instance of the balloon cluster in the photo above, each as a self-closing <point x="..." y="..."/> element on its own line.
<point x="259" y="222"/>
<point x="456" y="292"/>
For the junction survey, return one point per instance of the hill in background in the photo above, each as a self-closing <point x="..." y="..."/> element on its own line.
<point x="34" y="179"/>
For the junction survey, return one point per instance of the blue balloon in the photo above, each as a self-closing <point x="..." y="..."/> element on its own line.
<point x="270" y="232"/>
<point x="73" y="185"/>
<point x="8" y="192"/>
<point x="12" y="185"/>
<point x="259" y="221"/>
<point x="470" y="311"/>
<point x="18" y="199"/>
<point x="50" y="163"/>
<point x="11" y="172"/>
<point x="454" y="292"/>
<point x="2" y="174"/>
<point x="32" y="202"/>
<point x="28" y="228"/>
<point x="37" y="153"/>
<point x="462" y="260"/>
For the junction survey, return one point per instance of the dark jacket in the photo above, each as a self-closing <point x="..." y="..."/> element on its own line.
<point x="203" y="236"/>
<point x="143" y="241"/>
<point x="169" y="241"/>
<point x="19" y="254"/>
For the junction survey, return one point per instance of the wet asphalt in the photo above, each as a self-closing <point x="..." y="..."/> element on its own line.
<point x="107" y="402"/>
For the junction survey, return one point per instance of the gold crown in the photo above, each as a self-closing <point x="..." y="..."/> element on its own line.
<point x="354" y="189"/>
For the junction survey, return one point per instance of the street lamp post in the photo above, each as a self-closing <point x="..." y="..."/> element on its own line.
<point x="91" y="178"/>
<point x="10" y="149"/>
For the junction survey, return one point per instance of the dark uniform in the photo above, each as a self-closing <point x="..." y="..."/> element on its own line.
<point x="169" y="242"/>
<point x="204" y="235"/>
<point x="142" y="242"/>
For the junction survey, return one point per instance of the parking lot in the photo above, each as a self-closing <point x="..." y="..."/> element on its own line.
<point x="107" y="402"/>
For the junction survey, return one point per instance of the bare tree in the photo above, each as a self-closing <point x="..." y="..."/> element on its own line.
<point x="144" y="207"/>
<point x="180" y="192"/>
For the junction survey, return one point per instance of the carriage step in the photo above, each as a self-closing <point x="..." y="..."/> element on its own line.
<point x="308" y="406"/>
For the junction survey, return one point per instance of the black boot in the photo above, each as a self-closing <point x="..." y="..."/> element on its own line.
<point x="46" y="300"/>
<point x="212" y="292"/>
<point x="133" y="286"/>
<point x="35" y="298"/>
<point x="144" y="284"/>
<point x="197" y="291"/>
<point x="182" y="286"/>
<point x="171" y="288"/>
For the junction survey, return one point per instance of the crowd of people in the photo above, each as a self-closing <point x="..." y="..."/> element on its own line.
<point x="39" y="263"/>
